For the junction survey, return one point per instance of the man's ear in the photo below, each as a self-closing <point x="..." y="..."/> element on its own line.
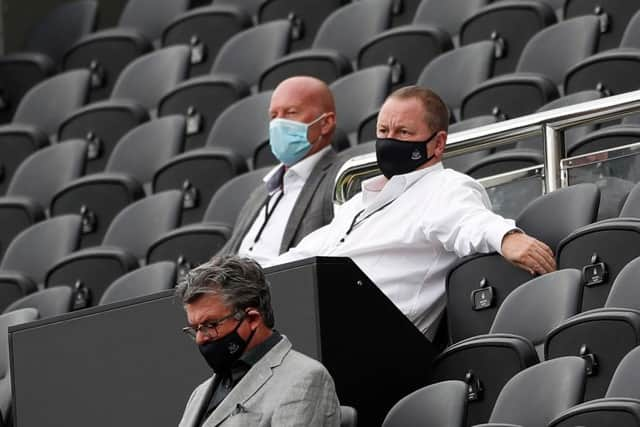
<point x="440" y="144"/>
<point x="328" y="123"/>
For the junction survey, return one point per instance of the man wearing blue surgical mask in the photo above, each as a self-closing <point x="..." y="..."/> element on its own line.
<point x="296" y="196"/>
<point x="410" y="225"/>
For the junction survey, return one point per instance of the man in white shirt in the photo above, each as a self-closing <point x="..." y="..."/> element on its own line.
<point x="296" y="198"/>
<point x="409" y="226"/>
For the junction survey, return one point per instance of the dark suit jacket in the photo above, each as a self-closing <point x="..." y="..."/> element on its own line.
<point x="312" y="210"/>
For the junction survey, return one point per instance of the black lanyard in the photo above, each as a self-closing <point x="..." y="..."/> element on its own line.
<point x="357" y="222"/>
<point x="268" y="213"/>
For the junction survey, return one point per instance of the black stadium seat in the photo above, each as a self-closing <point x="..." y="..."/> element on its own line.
<point x="99" y="197"/>
<point x="541" y="67"/>
<point x="49" y="302"/>
<point x="194" y="28"/>
<point x="235" y="70"/>
<point x="42" y="51"/>
<point x="509" y="25"/>
<point x="34" y="184"/>
<point x="136" y="93"/>
<point x="335" y="45"/>
<point x="33" y="252"/>
<point x="125" y="244"/>
<point x="106" y="53"/>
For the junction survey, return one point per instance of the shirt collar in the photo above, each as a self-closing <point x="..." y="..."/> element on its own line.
<point x="379" y="190"/>
<point x="302" y="169"/>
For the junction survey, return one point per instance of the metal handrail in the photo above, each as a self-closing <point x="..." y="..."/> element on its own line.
<point x="551" y="124"/>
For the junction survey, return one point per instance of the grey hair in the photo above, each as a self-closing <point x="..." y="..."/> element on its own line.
<point x="239" y="281"/>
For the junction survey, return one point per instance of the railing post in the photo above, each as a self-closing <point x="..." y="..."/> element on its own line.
<point x="553" y="153"/>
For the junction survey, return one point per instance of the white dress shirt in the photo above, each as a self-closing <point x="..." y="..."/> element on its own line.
<point x="283" y="186"/>
<point x="408" y="233"/>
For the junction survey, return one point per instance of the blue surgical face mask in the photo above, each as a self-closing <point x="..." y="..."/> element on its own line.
<point x="288" y="139"/>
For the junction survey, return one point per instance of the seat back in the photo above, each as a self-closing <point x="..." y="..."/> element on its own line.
<point x="49" y="302"/>
<point x="350" y="26"/>
<point x="631" y="207"/>
<point x="536" y="307"/>
<point x="448" y="15"/>
<point x="194" y="28"/>
<point x="508" y="24"/>
<point x="453" y="74"/>
<point x="6" y="320"/>
<point x="552" y="216"/>
<point x="146" y="280"/>
<point x="39" y="247"/>
<point x="555" y="49"/>
<point x="226" y="203"/>
<point x="247" y="54"/>
<point x="48" y="103"/>
<point x="358" y="95"/>
<point x="442" y="404"/>
<point x="505" y="161"/>
<point x="626" y="379"/>
<point x="142" y="222"/>
<point x="590" y="250"/>
<point x="522" y="401"/>
<point x="76" y="18"/>
<point x="631" y="35"/>
<point x="145" y="148"/>
<point x="348" y="416"/>
<point x="149" y="77"/>
<point x="624" y="292"/>
<point x="485" y="363"/>
<point x="243" y="126"/>
<point x="47" y="170"/>
<point x="150" y="17"/>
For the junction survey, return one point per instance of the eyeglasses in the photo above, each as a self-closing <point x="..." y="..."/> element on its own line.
<point x="209" y="329"/>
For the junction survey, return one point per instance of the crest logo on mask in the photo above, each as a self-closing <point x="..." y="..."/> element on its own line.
<point x="416" y="155"/>
<point x="233" y="347"/>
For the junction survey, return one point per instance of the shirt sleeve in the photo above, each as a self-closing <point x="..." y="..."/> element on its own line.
<point x="463" y="222"/>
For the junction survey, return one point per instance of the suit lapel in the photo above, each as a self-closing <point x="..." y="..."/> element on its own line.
<point x="195" y="407"/>
<point x="254" y="205"/>
<point x="304" y="199"/>
<point x="250" y="383"/>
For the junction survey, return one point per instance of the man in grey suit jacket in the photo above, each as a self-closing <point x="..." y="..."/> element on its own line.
<point x="258" y="380"/>
<point x="297" y="196"/>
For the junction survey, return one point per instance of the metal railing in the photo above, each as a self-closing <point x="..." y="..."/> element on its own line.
<point x="551" y="124"/>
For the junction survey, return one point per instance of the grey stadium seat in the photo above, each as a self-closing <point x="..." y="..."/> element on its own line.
<point x="602" y="336"/>
<point x="442" y="404"/>
<point x="194" y="244"/>
<point x="541" y="68"/>
<point x="31" y="254"/>
<point x="99" y="197"/>
<point x="613" y="71"/>
<point x="505" y="161"/>
<point x="7" y="320"/>
<point x="571" y="208"/>
<point x="194" y="28"/>
<point x="620" y="406"/>
<point x="305" y="16"/>
<point x="38" y="115"/>
<point x="521" y="402"/>
<point x="125" y="244"/>
<point x="136" y="93"/>
<point x="509" y="25"/>
<point x="49" y="302"/>
<point x="463" y="162"/>
<point x="631" y="207"/>
<point x="335" y="45"/>
<point x="613" y="16"/>
<point x="35" y="182"/>
<point x="140" y="282"/>
<point x="106" y="53"/>
<point x="453" y="74"/>
<point x="235" y="70"/>
<point x="42" y="51"/>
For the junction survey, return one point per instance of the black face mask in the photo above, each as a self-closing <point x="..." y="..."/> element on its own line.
<point x="396" y="157"/>
<point x="222" y="352"/>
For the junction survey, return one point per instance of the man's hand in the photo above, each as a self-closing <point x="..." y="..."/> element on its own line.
<point x="528" y="253"/>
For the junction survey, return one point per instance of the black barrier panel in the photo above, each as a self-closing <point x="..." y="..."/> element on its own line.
<point x="125" y="364"/>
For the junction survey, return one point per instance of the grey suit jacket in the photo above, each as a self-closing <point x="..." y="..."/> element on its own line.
<point x="312" y="210"/>
<point x="285" y="388"/>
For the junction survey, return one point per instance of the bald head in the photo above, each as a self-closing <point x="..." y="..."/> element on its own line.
<point x="304" y="99"/>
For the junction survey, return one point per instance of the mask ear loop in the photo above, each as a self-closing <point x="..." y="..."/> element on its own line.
<point x="313" y="122"/>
